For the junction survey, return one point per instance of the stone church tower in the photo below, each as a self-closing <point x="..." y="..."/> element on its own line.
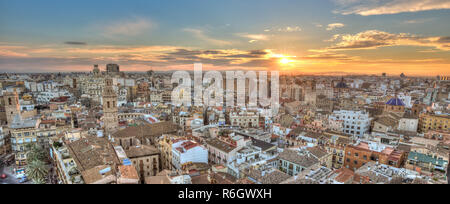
<point x="12" y="106"/>
<point x="110" y="117"/>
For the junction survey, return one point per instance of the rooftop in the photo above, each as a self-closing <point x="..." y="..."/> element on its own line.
<point x="267" y="176"/>
<point x="380" y="173"/>
<point x="128" y="172"/>
<point x="223" y="146"/>
<point x="91" y="152"/>
<point x="147" y="130"/>
<point x="317" y="152"/>
<point x="19" y="123"/>
<point x="141" y="151"/>
<point x="261" y="144"/>
<point x="294" y="156"/>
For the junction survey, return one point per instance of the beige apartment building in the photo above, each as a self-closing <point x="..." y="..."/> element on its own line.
<point x="244" y="119"/>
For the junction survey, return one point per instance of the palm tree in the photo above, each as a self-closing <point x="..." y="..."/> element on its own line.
<point x="37" y="171"/>
<point x="35" y="153"/>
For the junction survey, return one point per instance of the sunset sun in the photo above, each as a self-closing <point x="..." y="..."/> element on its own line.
<point x="286" y="61"/>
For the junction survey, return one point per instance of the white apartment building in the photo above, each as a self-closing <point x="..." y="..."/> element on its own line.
<point x="45" y="96"/>
<point x="224" y="152"/>
<point x="408" y="124"/>
<point x="186" y="151"/>
<point x="46" y="86"/>
<point x="354" y="122"/>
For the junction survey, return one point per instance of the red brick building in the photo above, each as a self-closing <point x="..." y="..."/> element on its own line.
<point x="358" y="155"/>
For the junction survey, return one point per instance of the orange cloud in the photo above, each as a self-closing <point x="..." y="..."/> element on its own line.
<point x="369" y="7"/>
<point x="373" y="39"/>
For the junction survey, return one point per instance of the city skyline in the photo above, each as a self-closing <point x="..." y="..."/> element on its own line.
<point x="333" y="37"/>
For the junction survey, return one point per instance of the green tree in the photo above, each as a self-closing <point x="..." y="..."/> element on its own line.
<point x="37" y="171"/>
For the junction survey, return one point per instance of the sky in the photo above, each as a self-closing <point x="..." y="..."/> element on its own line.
<point x="332" y="37"/>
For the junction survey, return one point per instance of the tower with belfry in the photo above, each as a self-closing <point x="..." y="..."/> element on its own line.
<point x="110" y="110"/>
<point x="12" y="106"/>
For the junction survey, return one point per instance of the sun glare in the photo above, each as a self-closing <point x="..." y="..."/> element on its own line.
<point x="285" y="60"/>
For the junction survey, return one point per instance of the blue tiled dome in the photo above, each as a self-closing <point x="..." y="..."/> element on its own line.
<point x="395" y="102"/>
<point x="342" y="84"/>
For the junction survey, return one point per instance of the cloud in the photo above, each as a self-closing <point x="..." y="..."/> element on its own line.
<point x="334" y="26"/>
<point x="253" y="37"/>
<point x="10" y="53"/>
<point x="48" y="57"/>
<point x="418" y="21"/>
<point x="75" y="43"/>
<point x="329" y="56"/>
<point x="106" y="50"/>
<point x="141" y="58"/>
<point x="290" y="29"/>
<point x="287" y="29"/>
<point x="130" y="27"/>
<point x="381" y="7"/>
<point x="217" y="57"/>
<point x="318" y="25"/>
<point x="373" y="39"/>
<point x="200" y="34"/>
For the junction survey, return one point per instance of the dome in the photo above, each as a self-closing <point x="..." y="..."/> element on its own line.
<point x="395" y="102"/>
<point x="342" y="84"/>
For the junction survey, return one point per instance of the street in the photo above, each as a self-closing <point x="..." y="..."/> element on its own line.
<point x="11" y="178"/>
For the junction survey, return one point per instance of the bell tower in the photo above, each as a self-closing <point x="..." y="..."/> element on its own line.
<point x="110" y="117"/>
<point x="12" y="106"/>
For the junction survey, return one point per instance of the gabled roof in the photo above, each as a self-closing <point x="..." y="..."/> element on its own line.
<point x="222" y="146"/>
<point x="91" y="152"/>
<point x="294" y="157"/>
<point x="317" y="152"/>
